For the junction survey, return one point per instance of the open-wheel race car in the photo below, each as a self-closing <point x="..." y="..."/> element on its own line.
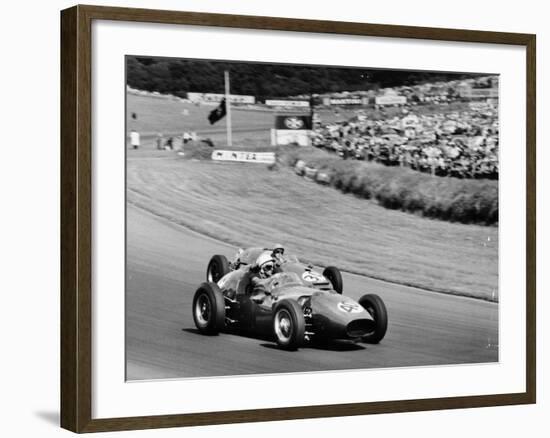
<point x="297" y="304"/>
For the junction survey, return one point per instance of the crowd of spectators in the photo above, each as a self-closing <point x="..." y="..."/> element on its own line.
<point x="462" y="144"/>
<point x="442" y="92"/>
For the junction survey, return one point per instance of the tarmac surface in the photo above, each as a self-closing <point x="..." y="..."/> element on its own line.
<point x="166" y="262"/>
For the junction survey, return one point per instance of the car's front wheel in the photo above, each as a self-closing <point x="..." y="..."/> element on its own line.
<point x="209" y="309"/>
<point x="334" y="275"/>
<point x="289" y="325"/>
<point x="373" y="304"/>
<point x="217" y="268"/>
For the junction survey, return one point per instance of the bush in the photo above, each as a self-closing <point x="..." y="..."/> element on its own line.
<point x="398" y="188"/>
<point x="198" y="150"/>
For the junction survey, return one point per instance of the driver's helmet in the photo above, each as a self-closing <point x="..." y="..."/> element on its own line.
<point x="278" y="251"/>
<point x="266" y="264"/>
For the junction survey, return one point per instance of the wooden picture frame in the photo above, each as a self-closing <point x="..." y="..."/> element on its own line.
<point x="76" y="217"/>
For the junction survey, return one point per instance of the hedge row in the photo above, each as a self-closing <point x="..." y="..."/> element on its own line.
<point x="446" y="198"/>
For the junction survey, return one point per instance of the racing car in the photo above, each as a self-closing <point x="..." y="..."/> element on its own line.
<point x="299" y="305"/>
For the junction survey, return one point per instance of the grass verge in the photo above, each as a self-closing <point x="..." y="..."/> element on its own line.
<point x="247" y="205"/>
<point x="398" y="188"/>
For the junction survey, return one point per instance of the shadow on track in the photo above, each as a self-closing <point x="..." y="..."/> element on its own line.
<point x="325" y="346"/>
<point x="335" y="345"/>
<point x="236" y="332"/>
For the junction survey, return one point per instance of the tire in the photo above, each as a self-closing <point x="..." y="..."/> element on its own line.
<point x="377" y="309"/>
<point x="335" y="277"/>
<point x="289" y="325"/>
<point x="209" y="309"/>
<point x="217" y="268"/>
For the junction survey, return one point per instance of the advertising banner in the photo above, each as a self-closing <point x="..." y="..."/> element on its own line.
<point x="281" y="137"/>
<point x="293" y="122"/>
<point x="218" y="97"/>
<point x="283" y="103"/>
<point x="244" y="157"/>
<point x="390" y="100"/>
<point x="479" y="93"/>
<point x="343" y="101"/>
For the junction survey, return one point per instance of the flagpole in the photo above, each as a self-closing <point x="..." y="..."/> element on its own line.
<point x="228" y="108"/>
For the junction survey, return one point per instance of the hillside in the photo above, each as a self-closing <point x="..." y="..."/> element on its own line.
<point x="179" y="76"/>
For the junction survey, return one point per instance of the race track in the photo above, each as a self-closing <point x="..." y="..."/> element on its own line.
<point x="166" y="262"/>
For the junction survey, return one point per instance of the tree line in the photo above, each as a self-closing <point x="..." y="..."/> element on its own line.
<point x="264" y="81"/>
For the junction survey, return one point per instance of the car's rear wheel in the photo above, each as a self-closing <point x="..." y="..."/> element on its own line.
<point x="333" y="274"/>
<point x="217" y="268"/>
<point x="289" y="325"/>
<point x="209" y="309"/>
<point x="373" y="304"/>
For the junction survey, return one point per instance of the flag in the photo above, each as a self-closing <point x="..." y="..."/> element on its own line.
<point x="218" y="113"/>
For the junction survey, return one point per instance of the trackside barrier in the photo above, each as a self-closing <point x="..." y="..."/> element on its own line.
<point x="311" y="173"/>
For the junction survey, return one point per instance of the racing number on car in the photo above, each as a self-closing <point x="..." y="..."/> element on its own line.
<point x="312" y="277"/>
<point x="349" y="307"/>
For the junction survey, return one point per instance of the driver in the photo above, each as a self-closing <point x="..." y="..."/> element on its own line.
<point x="264" y="268"/>
<point x="278" y="253"/>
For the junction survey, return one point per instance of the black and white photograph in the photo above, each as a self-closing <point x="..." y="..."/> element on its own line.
<point x="287" y="218"/>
